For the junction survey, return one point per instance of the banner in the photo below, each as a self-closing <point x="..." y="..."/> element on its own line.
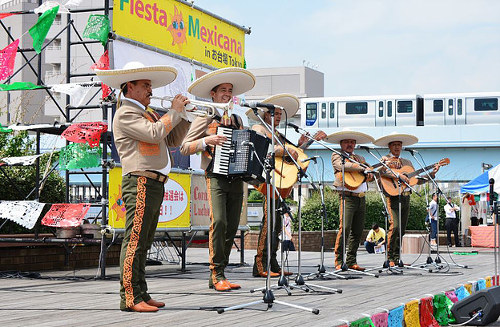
<point x="174" y="211"/>
<point x="175" y="27"/>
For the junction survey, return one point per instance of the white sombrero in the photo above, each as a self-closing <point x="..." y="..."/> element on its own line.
<point x="347" y="134"/>
<point x="134" y="70"/>
<point x="289" y="102"/>
<point x="406" y="139"/>
<point x="241" y="79"/>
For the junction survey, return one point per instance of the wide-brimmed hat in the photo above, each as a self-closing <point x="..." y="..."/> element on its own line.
<point x="289" y="102"/>
<point x="133" y="71"/>
<point x="347" y="134"/>
<point x="405" y="139"/>
<point x="241" y="79"/>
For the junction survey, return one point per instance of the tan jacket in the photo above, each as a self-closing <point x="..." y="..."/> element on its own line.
<point x="142" y="141"/>
<point x="349" y="166"/>
<point x="201" y="127"/>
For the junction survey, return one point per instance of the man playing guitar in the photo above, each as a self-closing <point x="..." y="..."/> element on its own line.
<point x="352" y="199"/>
<point x="395" y="143"/>
<point x="291" y="104"/>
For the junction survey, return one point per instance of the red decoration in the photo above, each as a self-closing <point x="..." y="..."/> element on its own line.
<point x="66" y="214"/>
<point x="85" y="133"/>
<point x="6" y="14"/>
<point x="103" y="64"/>
<point x="8" y="59"/>
<point x="427" y="313"/>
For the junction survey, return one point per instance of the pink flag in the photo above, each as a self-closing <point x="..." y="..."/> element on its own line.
<point x="103" y="64"/>
<point x="8" y="59"/>
<point x="66" y="214"/>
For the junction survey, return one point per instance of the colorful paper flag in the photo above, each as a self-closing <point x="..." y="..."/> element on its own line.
<point x="380" y="319"/>
<point x="79" y="155"/>
<point x="6" y="14"/>
<point x="48" y="5"/>
<point x="363" y="322"/>
<point x="4" y="129"/>
<point x="66" y="214"/>
<point x="39" y="31"/>
<point x="97" y="28"/>
<point x="396" y="316"/>
<point x="16" y="86"/>
<point x="427" y="313"/>
<point x="85" y="133"/>
<point x="76" y="92"/>
<point x="442" y="309"/>
<point x="8" y="59"/>
<point x="103" y="64"/>
<point x="24" y="213"/>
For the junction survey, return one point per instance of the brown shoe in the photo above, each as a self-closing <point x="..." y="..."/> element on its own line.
<point x="155" y="303"/>
<point x="221" y="286"/>
<point x="233" y="285"/>
<point x="264" y="274"/>
<point x="392" y="264"/>
<point x="285" y="273"/>
<point x="356" y="267"/>
<point x="142" y="307"/>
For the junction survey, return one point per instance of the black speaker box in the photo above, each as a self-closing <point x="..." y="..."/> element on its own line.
<point x="486" y="301"/>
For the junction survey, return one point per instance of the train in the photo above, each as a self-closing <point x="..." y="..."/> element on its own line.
<point x="401" y="110"/>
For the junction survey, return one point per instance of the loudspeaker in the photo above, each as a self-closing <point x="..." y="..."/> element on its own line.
<point x="486" y="301"/>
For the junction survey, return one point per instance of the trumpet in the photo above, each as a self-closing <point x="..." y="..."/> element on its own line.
<point x="198" y="107"/>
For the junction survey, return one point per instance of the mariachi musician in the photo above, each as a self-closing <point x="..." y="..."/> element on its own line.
<point x="351" y="187"/>
<point x="395" y="142"/>
<point x="290" y="104"/>
<point x="225" y="194"/>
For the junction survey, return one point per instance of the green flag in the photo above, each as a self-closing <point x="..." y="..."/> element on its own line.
<point x="39" y="31"/>
<point x="19" y="86"/>
<point x="5" y="129"/>
<point x="97" y="28"/>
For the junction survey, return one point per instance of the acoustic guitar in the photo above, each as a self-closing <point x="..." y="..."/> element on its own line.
<point x="286" y="173"/>
<point x="354" y="179"/>
<point x="390" y="183"/>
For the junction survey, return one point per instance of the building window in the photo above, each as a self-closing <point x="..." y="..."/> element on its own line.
<point x="381" y="108"/>
<point x="332" y="110"/>
<point x="459" y="107"/>
<point x="311" y="113"/>
<point x="323" y="110"/>
<point x="389" y="109"/>
<point x="405" y="107"/>
<point x="438" y="105"/>
<point x="450" y="107"/>
<point x="486" y="104"/>
<point x="356" y="108"/>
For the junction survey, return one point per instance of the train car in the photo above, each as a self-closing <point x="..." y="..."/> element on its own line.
<point x="401" y="110"/>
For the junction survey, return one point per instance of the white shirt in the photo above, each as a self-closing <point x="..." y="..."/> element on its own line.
<point x="166" y="170"/>
<point x="450" y="213"/>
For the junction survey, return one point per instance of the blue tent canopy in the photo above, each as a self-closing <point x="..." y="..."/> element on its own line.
<point x="481" y="184"/>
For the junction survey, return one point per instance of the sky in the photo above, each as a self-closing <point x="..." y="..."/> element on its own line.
<point x="375" y="47"/>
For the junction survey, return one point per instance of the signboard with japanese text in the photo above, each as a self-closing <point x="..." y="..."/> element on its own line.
<point x="180" y="29"/>
<point x="174" y="211"/>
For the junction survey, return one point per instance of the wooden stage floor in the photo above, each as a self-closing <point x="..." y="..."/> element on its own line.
<point x="75" y="298"/>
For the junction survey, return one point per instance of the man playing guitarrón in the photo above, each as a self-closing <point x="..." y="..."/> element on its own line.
<point x="352" y="197"/>
<point x="291" y="104"/>
<point x="395" y="142"/>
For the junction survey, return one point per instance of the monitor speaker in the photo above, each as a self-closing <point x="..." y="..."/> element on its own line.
<point x="485" y="302"/>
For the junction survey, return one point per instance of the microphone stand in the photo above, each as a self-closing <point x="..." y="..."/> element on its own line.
<point x="268" y="297"/>
<point x="344" y="157"/>
<point x="440" y="193"/>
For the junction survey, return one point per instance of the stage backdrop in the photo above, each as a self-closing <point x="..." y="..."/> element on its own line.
<point x="180" y="29"/>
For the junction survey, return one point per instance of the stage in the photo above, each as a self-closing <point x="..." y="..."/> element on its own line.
<point x="75" y="298"/>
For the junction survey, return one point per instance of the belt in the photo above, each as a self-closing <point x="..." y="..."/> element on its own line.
<point x="348" y="193"/>
<point x="154" y="175"/>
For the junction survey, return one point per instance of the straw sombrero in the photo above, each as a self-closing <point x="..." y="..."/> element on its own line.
<point x="241" y="79"/>
<point x="406" y="139"/>
<point x="134" y="70"/>
<point x="347" y="134"/>
<point x="289" y="102"/>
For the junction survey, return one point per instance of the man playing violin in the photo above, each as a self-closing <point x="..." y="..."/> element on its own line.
<point x="291" y="104"/>
<point x="352" y="197"/>
<point x="395" y="143"/>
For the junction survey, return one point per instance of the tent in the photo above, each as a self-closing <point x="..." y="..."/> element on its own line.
<point x="481" y="184"/>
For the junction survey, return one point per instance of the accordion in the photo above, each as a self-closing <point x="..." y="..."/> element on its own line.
<point x="236" y="157"/>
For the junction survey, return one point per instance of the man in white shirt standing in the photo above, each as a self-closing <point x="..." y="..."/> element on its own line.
<point x="433" y="217"/>
<point x="451" y="222"/>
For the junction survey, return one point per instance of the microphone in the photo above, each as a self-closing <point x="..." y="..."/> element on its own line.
<point x="410" y="150"/>
<point x="247" y="143"/>
<point x="364" y="147"/>
<point x="253" y="104"/>
<point x="312" y="158"/>
<point x="292" y="125"/>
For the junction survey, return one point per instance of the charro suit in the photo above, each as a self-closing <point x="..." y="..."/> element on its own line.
<point x="142" y="138"/>
<point x="225" y="196"/>
<point x="352" y="221"/>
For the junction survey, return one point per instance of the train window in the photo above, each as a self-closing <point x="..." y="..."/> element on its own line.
<point x="459" y="107"/>
<point x="405" y="106"/>
<point x="323" y="110"/>
<point x="356" y="108"/>
<point x="381" y="108"/>
<point x="389" y="109"/>
<point x="450" y="107"/>
<point x="332" y="110"/>
<point x="486" y="104"/>
<point x="311" y="113"/>
<point x="438" y="105"/>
